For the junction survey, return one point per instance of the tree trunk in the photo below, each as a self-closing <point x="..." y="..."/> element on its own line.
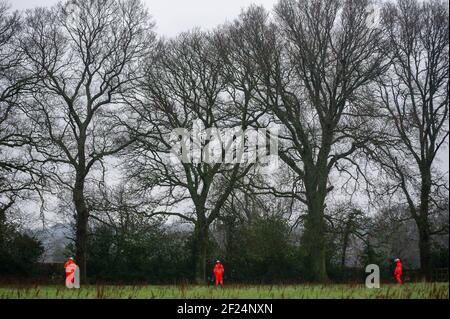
<point x="315" y="243"/>
<point x="315" y="225"/>
<point x="315" y="179"/>
<point x="200" y="251"/>
<point x="425" y="253"/>
<point x="344" y="249"/>
<point x="423" y="226"/>
<point x="2" y="227"/>
<point x="346" y="239"/>
<point x="81" y="230"/>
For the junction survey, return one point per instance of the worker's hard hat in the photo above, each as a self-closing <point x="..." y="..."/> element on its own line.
<point x="397" y="260"/>
<point x="71" y="258"/>
<point x="217" y="261"/>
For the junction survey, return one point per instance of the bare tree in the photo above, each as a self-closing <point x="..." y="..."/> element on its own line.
<point x="85" y="54"/>
<point x="413" y="98"/>
<point x="316" y="65"/>
<point x="347" y="223"/>
<point x="17" y="178"/>
<point x="186" y="87"/>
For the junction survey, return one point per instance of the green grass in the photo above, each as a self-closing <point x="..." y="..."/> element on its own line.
<point x="334" y="291"/>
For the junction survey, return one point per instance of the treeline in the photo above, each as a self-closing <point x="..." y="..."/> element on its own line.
<point x="261" y="247"/>
<point x="263" y="250"/>
<point x="358" y="92"/>
<point x="19" y="251"/>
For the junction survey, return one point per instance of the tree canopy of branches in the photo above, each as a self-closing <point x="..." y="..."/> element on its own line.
<point x="316" y="62"/>
<point x="413" y="99"/>
<point x="85" y="55"/>
<point x="186" y="87"/>
<point x="16" y="176"/>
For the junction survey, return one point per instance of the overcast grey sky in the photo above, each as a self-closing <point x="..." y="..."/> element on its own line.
<point x="174" y="16"/>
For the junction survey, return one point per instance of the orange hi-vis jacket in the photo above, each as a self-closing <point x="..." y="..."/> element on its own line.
<point x="70" y="266"/>
<point x="398" y="269"/>
<point x="218" y="269"/>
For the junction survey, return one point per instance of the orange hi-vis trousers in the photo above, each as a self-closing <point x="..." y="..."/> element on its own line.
<point x="219" y="278"/>
<point x="398" y="277"/>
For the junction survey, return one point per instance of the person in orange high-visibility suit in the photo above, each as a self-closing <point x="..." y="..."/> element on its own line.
<point x="398" y="271"/>
<point x="218" y="272"/>
<point x="70" y="267"/>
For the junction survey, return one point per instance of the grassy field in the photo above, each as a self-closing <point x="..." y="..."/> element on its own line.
<point x="334" y="291"/>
